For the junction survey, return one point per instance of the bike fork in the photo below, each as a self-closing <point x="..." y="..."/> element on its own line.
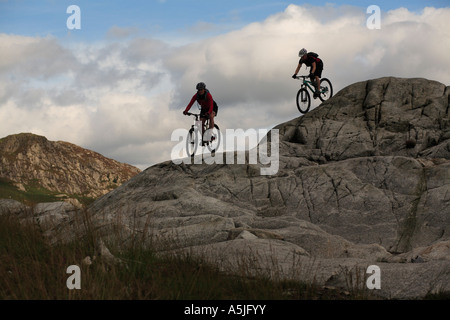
<point x="303" y="95"/>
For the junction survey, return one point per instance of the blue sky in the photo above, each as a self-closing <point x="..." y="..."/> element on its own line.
<point x="158" y="18"/>
<point x="118" y="86"/>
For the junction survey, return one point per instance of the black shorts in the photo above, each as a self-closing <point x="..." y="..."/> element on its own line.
<point x="215" y="109"/>
<point x="319" y="69"/>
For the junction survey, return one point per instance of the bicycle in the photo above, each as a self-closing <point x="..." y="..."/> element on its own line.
<point x="212" y="135"/>
<point x="303" y="96"/>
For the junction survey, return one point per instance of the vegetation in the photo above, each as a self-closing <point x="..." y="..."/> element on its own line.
<point x="33" y="269"/>
<point x="34" y="194"/>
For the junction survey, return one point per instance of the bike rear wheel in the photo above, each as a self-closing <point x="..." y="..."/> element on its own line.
<point x="326" y="89"/>
<point x="303" y="100"/>
<point x="191" y="142"/>
<point x="213" y="138"/>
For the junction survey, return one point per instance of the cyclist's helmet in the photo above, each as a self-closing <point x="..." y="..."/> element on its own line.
<point x="302" y="52"/>
<point x="201" y="85"/>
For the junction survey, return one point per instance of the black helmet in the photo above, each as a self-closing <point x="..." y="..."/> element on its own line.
<point x="201" y="85"/>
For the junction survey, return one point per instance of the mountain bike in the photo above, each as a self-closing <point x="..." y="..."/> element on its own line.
<point x="210" y="137"/>
<point x="303" y="96"/>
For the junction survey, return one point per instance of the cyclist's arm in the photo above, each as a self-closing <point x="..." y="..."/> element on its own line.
<point x="188" y="107"/>
<point x="313" y="67"/>
<point x="298" y="68"/>
<point x="210" y="103"/>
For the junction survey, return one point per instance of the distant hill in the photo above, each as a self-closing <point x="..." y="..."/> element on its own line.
<point x="33" y="168"/>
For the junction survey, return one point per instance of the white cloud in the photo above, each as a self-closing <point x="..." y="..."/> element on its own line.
<point x="39" y="58"/>
<point x="249" y="70"/>
<point x="124" y="98"/>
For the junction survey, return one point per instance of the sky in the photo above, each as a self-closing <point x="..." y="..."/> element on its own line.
<point x="119" y="83"/>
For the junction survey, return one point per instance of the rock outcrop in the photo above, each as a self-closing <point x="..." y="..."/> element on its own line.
<point x="29" y="159"/>
<point x="363" y="179"/>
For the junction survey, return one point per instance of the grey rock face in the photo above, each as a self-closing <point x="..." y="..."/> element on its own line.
<point x="364" y="179"/>
<point x="376" y="117"/>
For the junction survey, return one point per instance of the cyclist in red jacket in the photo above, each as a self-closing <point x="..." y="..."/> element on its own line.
<point x="311" y="60"/>
<point x="207" y="103"/>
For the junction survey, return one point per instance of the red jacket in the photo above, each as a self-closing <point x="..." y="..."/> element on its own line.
<point x="206" y="102"/>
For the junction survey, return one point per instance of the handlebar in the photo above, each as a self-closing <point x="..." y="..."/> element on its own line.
<point x="196" y="115"/>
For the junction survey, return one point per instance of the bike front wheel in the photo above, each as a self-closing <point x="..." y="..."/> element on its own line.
<point x="303" y="100"/>
<point x="191" y="142"/>
<point x="326" y="89"/>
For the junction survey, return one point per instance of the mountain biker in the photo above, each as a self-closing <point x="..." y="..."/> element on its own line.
<point x="206" y="101"/>
<point x="315" y="73"/>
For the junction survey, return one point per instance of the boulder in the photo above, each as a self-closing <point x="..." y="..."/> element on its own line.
<point x="362" y="180"/>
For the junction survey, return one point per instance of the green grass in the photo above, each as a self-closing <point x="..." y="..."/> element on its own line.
<point x="32" y="269"/>
<point x="35" y="194"/>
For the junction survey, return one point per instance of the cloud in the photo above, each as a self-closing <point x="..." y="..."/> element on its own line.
<point x="121" y="33"/>
<point x="124" y="96"/>
<point x="249" y="70"/>
<point x="107" y="97"/>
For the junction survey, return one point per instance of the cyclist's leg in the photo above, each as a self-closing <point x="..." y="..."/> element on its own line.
<point x="210" y="135"/>
<point x="317" y="87"/>
<point x="203" y="130"/>
<point x="318" y="75"/>
<point x="211" y="120"/>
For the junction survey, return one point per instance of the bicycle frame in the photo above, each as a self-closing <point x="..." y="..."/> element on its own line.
<point x="303" y="97"/>
<point x="306" y="83"/>
<point x="198" y="123"/>
<point x="203" y="134"/>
